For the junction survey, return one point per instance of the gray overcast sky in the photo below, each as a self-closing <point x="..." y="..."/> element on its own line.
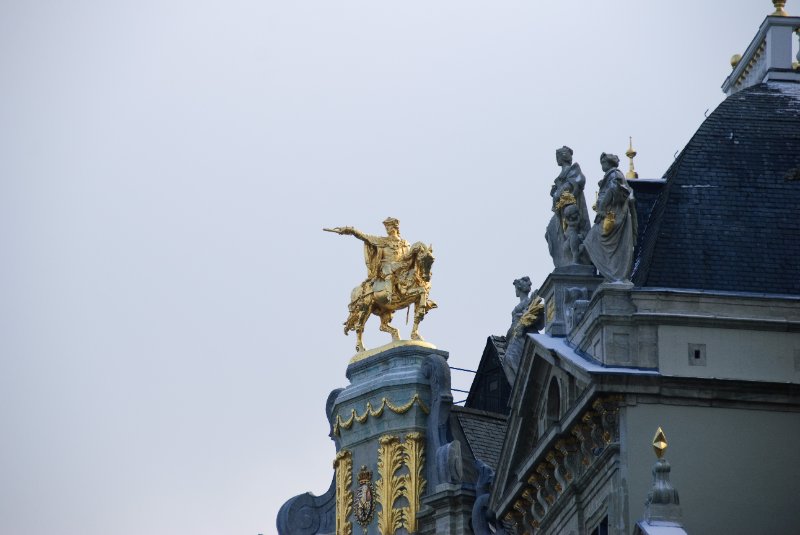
<point x="170" y="310"/>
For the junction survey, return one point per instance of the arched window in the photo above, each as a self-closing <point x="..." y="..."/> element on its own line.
<point x="553" y="402"/>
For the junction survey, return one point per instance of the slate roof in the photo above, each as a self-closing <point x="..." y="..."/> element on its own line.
<point x="491" y="387"/>
<point x="646" y="192"/>
<point x="500" y="344"/>
<point x="485" y="432"/>
<point x="728" y="217"/>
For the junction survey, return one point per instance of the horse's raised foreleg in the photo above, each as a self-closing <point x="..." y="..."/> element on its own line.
<point x="386" y="318"/>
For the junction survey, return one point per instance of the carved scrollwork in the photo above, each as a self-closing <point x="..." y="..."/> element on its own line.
<point x="556" y="460"/>
<point x="539" y="493"/>
<point x="568" y="447"/>
<point x="566" y="462"/>
<point x="513" y="522"/>
<point x="592" y="419"/>
<point x="608" y="409"/>
<point x="550" y="485"/>
<point x="583" y="435"/>
<point x="526" y="524"/>
<point x="535" y="508"/>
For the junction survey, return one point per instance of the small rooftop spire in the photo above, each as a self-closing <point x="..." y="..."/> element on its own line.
<point x="779" y="11"/>
<point x="660" y="443"/>
<point x="662" y="511"/>
<point x="630" y="153"/>
<point x="662" y="502"/>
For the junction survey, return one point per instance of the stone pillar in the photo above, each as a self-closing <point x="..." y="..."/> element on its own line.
<point x="565" y="291"/>
<point x="394" y="441"/>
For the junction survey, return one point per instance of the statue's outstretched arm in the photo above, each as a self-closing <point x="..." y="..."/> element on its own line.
<point x="351" y="231"/>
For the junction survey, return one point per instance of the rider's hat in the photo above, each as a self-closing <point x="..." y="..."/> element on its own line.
<point x="391" y="222"/>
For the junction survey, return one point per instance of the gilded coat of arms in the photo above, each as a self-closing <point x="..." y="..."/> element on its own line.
<point x="364" y="498"/>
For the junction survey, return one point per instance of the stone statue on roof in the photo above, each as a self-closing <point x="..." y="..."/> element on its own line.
<point x="570" y="221"/>
<point x="527" y="317"/>
<point x="609" y="244"/>
<point x="522" y="286"/>
<point x="398" y="275"/>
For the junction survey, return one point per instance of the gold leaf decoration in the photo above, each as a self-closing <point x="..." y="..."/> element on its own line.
<point x="390" y="486"/>
<point x="376" y="413"/>
<point x="413" y="482"/>
<point x="343" y="464"/>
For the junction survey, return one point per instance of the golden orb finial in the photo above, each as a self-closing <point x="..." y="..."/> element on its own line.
<point x="660" y="443"/>
<point x="735" y="59"/>
<point x="779" y="11"/>
<point x="630" y="153"/>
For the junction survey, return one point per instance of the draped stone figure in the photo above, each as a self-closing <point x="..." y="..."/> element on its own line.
<point x="610" y="241"/>
<point x="526" y="317"/>
<point x="567" y="190"/>
<point x="522" y="286"/>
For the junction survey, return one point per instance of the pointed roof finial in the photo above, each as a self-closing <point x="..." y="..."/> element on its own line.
<point x="663" y="504"/>
<point x="660" y="443"/>
<point x="630" y="153"/>
<point x="779" y="11"/>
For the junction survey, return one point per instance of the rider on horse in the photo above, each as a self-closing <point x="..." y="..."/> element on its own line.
<point x="383" y="255"/>
<point x="398" y="276"/>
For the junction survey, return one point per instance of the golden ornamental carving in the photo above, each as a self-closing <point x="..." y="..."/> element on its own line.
<point x="389" y="488"/>
<point x="343" y="465"/>
<point x="608" y="222"/>
<point x="565" y="199"/>
<point x="377" y="413"/>
<point x="551" y="309"/>
<point x="413" y="482"/>
<point x="532" y="313"/>
<point x="398" y="276"/>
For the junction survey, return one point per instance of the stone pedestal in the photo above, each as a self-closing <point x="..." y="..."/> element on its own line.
<point x="388" y="424"/>
<point x="448" y="511"/>
<point x="566" y="293"/>
<point x="394" y="447"/>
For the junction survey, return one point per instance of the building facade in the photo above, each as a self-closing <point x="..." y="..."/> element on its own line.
<point x="696" y="332"/>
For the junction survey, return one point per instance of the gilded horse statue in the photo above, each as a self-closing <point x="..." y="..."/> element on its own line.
<point x="398" y="276"/>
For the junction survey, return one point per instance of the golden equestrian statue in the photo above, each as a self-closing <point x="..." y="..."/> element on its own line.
<point x="398" y="275"/>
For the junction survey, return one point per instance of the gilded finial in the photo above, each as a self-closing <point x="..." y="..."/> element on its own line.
<point x="630" y="153"/>
<point x="779" y="11"/>
<point x="660" y="443"/>
<point x="735" y="59"/>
